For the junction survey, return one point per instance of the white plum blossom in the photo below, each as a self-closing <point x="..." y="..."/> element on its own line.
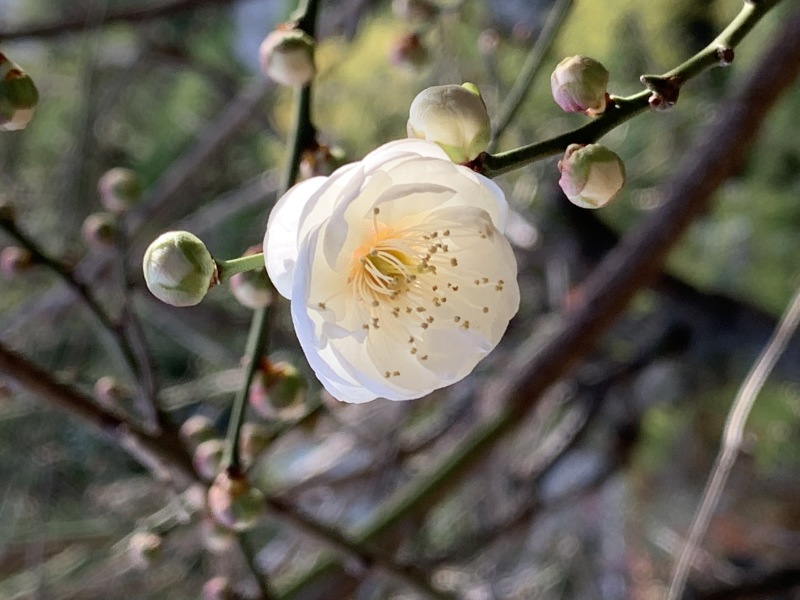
<point x="398" y="272"/>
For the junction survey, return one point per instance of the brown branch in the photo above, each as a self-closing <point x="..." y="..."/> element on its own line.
<point x="88" y="21"/>
<point x="157" y="451"/>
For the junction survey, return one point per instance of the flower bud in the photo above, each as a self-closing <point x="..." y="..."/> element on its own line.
<point x="591" y="175"/>
<point x="119" y="189"/>
<point x="196" y="430"/>
<point x="418" y="11"/>
<point x="253" y="440"/>
<point x="408" y="52"/>
<point x="18" y="96"/>
<point x="178" y="268"/>
<point x="218" y="588"/>
<point x="207" y="458"/>
<point x="287" y="56"/>
<point x="144" y="547"/>
<point x="234" y="502"/>
<point x="579" y="85"/>
<point x="14" y="260"/>
<point x="278" y="391"/>
<point x="252" y="288"/>
<point x="99" y="231"/>
<point x="453" y="116"/>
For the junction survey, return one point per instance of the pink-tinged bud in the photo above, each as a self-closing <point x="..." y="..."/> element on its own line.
<point x="591" y="176"/>
<point x="179" y="269"/>
<point x="99" y="231"/>
<point x="287" y="57"/>
<point x="216" y="538"/>
<point x="218" y="588"/>
<point x="207" y="458"/>
<point x="18" y="96"/>
<point x="452" y="116"/>
<point x="234" y="503"/>
<point x="196" y="430"/>
<point x="408" y="52"/>
<point x="322" y="160"/>
<point x="110" y="393"/>
<point x="278" y="391"/>
<point x="252" y="289"/>
<point x="579" y="85"/>
<point x="253" y="440"/>
<point x="119" y="189"/>
<point x="415" y="11"/>
<point x="14" y="260"/>
<point x="144" y="547"/>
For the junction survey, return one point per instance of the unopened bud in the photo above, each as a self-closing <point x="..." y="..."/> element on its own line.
<point x="179" y="269"/>
<point x="453" y="116"/>
<point x="207" y="458"/>
<point x="252" y="288"/>
<point x="218" y="588"/>
<point x="408" y="52"/>
<point x="144" y="547"/>
<point x="591" y="176"/>
<point x="579" y="85"/>
<point x="322" y="160"/>
<point x="196" y="430"/>
<point x="234" y="502"/>
<point x="253" y="440"/>
<point x="99" y="231"/>
<point x="14" y="260"/>
<point x="18" y="96"/>
<point x="287" y="56"/>
<point x="418" y="11"/>
<point x="278" y="391"/>
<point x="119" y="189"/>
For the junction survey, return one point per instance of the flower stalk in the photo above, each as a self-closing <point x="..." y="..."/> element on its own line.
<point x="228" y="268"/>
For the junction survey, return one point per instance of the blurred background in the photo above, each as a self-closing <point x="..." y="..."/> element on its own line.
<point x="589" y="497"/>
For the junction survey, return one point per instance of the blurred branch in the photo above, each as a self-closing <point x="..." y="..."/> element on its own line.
<point x="754" y="587"/>
<point x="86" y="22"/>
<point x="634" y="263"/>
<point x="533" y="63"/>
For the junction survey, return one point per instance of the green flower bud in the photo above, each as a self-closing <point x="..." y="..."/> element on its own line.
<point x="287" y="56"/>
<point x="178" y="268"/>
<point x="591" y="176"/>
<point x="119" y="189"/>
<point x="18" y="96"/>
<point x="99" y="231"/>
<point x="453" y="116"/>
<point x="234" y="502"/>
<point x="207" y="458"/>
<point x="579" y="85"/>
<point x="278" y="391"/>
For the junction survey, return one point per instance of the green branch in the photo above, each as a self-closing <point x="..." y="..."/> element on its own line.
<point x="662" y="89"/>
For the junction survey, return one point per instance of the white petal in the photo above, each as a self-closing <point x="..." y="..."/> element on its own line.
<point x="280" y="240"/>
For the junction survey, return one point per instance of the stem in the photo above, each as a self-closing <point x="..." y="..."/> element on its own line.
<point x="623" y="109"/>
<point x="530" y="69"/>
<point x="227" y="268"/>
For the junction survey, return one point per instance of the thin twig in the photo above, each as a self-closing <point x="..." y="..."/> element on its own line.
<point x="732" y="441"/>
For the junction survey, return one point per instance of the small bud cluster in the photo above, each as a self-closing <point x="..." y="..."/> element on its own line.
<point x="287" y="56"/>
<point x="119" y="189"/>
<point x="14" y="261"/>
<point x="235" y="503"/>
<point x="99" y="231"/>
<point x="18" y="96"/>
<point x="454" y="117"/>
